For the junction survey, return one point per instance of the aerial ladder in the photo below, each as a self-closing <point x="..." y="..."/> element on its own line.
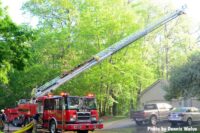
<point x="99" y="57"/>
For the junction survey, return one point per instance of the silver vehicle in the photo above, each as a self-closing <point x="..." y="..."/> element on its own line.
<point x="184" y="115"/>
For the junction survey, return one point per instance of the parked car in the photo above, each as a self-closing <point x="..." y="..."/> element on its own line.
<point x="152" y="113"/>
<point x="184" y="115"/>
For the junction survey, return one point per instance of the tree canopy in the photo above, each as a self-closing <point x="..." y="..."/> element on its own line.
<point x="69" y="32"/>
<point x="14" y="46"/>
<point x="184" y="80"/>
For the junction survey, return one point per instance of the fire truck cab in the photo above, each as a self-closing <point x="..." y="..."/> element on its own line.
<point x="68" y="113"/>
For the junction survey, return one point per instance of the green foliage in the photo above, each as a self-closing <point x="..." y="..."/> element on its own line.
<point x="184" y="80"/>
<point x="14" y="46"/>
<point x="70" y="32"/>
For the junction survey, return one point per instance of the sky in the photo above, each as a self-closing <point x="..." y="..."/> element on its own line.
<point x="16" y="14"/>
<point x="193" y="8"/>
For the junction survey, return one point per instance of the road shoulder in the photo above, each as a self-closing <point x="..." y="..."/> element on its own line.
<point x="123" y="123"/>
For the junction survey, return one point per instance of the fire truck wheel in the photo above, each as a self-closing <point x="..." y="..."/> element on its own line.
<point x="52" y="127"/>
<point x="82" y="131"/>
<point x="153" y="120"/>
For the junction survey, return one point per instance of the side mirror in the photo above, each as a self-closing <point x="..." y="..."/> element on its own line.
<point x="101" y="120"/>
<point x="188" y="110"/>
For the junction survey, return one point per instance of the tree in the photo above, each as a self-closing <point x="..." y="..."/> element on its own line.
<point x="184" y="80"/>
<point x="71" y="31"/>
<point x="169" y="45"/>
<point x="71" y="34"/>
<point x="14" y="45"/>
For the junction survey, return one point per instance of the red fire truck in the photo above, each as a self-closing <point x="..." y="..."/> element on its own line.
<point x="21" y="114"/>
<point x="74" y="113"/>
<point x="11" y="114"/>
<point x="61" y="112"/>
<point x="69" y="113"/>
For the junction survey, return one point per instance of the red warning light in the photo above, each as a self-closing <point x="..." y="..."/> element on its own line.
<point x="64" y="94"/>
<point x="90" y="95"/>
<point x="50" y="95"/>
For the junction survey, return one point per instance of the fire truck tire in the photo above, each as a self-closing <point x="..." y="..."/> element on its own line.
<point x="52" y="127"/>
<point x="153" y="120"/>
<point x="82" y="131"/>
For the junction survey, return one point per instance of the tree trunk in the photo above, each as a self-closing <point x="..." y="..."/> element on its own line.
<point x="114" y="106"/>
<point x="167" y="62"/>
<point x="138" y="94"/>
<point x="114" y="109"/>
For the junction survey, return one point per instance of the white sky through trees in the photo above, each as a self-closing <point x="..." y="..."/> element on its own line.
<point x="15" y="12"/>
<point x="17" y="15"/>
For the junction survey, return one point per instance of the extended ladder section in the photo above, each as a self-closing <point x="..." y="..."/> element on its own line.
<point x="58" y="81"/>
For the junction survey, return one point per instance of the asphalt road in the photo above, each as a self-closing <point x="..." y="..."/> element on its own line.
<point x="129" y="126"/>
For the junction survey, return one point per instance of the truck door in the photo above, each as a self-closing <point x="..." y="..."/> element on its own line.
<point x="40" y="110"/>
<point x="48" y="111"/>
<point x="58" y="112"/>
<point x="162" y="111"/>
<point x="40" y="107"/>
<point x="166" y="108"/>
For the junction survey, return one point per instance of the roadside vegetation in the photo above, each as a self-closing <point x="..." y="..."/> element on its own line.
<point x="184" y="80"/>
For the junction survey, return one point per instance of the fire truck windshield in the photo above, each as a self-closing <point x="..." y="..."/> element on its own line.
<point x="79" y="103"/>
<point x="72" y="102"/>
<point x="88" y="103"/>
